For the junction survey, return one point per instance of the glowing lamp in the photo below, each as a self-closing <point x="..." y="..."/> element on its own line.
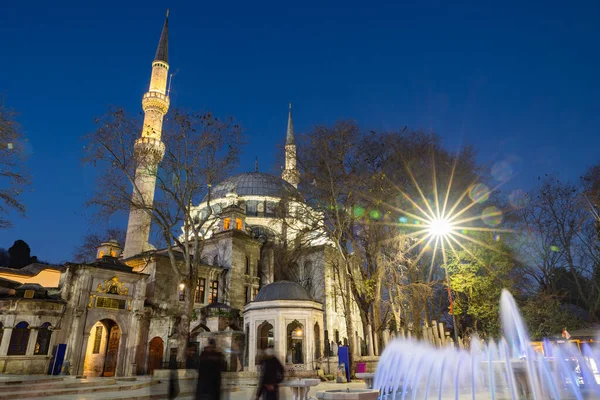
<point x="440" y="227"/>
<point x="181" y="286"/>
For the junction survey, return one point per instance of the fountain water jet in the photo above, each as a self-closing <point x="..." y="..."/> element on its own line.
<point x="509" y="369"/>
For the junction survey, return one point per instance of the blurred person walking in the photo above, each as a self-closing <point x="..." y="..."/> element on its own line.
<point x="173" y="390"/>
<point x="210" y="365"/>
<point x="272" y="376"/>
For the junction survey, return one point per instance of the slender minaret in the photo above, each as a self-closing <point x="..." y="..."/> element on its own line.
<point x="290" y="173"/>
<point x="149" y="150"/>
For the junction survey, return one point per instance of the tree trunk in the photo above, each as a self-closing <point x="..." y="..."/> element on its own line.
<point x="183" y="327"/>
<point x="349" y="327"/>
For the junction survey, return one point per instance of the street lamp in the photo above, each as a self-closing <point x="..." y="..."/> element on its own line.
<point x="440" y="228"/>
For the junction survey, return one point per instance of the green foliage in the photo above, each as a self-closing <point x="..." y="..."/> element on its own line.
<point x="477" y="277"/>
<point x="545" y="316"/>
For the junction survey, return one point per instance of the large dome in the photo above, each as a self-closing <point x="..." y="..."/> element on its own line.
<point x="254" y="184"/>
<point x="283" y="290"/>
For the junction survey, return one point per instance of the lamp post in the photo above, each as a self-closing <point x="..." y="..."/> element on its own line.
<point x="440" y="228"/>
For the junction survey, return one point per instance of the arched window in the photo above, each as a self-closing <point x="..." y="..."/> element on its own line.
<point x="238" y="224"/>
<point x="307" y="272"/>
<point x="264" y="339"/>
<point x="247" y="265"/>
<point x="43" y="339"/>
<point x="19" y="339"/>
<point x="226" y="222"/>
<point x="295" y="343"/>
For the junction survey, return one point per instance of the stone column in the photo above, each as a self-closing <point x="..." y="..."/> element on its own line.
<point x="81" y="355"/>
<point x="369" y="340"/>
<point x="386" y="338"/>
<point x="33" y="332"/>
<point x="252" y="345"/>
<point x="123" y="357"/>
<point x="442" y="333"/>
<point x="435" y="334"/>
<point x="375" y="343"/>
<point x="132" y="347"/>
<point x="5" y="340"/>
<point x="280" y="337"/>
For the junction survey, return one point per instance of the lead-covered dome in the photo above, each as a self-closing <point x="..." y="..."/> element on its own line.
<point x="283" y="290"/>
<point x="254" y="184"/>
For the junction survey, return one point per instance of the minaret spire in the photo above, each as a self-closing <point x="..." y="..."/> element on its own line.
<point x="149" y="150"/>
<point x="162" y="51"/>
<point x="290" y="173"/>
<point x="289" y="137"/>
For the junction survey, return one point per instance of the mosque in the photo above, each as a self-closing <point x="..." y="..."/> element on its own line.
<point x="117" y="316"/>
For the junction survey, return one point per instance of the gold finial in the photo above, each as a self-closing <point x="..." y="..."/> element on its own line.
<point x="167" y="13"/>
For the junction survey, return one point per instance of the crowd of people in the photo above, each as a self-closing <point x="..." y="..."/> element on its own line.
<point x="210" y="364"/>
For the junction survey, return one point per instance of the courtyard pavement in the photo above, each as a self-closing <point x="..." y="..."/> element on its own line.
<point x="122" y="391"/>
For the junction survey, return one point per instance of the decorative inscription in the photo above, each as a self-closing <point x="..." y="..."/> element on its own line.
<point x="107" y="302"/>
<point x="113" y="286"/>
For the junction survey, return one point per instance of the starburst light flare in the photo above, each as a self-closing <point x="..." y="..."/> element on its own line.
<point x="442" y="221"/>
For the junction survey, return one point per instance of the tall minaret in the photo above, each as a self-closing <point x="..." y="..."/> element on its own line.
<point x="290" y="173"/>
<point x="149" y="150"/>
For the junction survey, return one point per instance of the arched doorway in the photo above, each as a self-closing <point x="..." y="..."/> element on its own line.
<point x="264" y="339"/>
<point x="103" y="349"/>
<point x="155" y="354"/>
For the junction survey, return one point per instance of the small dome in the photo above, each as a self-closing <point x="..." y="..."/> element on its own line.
<point x="283" y="290"/>
<point x="254" y="184"/>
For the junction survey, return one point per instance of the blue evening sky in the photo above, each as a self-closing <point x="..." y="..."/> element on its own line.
<point x="518" y="80"/>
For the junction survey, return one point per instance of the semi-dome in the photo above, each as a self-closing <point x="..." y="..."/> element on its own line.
<point x="283" y="290"/>
<point x="254" y="184"/>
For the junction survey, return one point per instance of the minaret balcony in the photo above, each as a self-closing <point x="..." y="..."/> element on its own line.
<point x="155" y="100"/>
<point x="149" y="150"/>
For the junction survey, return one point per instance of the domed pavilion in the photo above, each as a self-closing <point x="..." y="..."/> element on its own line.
<point x="285" y="316"/>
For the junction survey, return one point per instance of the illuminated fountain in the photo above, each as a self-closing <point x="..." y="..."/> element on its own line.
<point x="507" y="369"/>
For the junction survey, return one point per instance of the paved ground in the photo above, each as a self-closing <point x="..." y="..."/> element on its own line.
<point x="141" y="388"/>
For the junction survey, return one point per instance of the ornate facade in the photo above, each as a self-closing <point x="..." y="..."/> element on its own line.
<point x="118" y="315"/>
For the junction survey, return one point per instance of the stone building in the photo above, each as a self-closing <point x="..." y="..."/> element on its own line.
<point x="118" y="315"/>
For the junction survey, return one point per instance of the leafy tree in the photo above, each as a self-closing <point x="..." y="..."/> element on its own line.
<point x="477" y="274"/>
<point x="14" y="177"/>
<point x="361" y="183"/>
<point x="20" y="255"/>
<point x="4" y="258"/>
<point x="86" y="252"/>
<point x="200" y="149"/>
<point x="546" y="316"/>
<point x="558" y="243"/>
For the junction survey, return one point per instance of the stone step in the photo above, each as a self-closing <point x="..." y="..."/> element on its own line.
<point x="61" y="391"/>
<point x="50" y="385"/>
<point x="9" y="380"/>
<point x="148" y="393"/>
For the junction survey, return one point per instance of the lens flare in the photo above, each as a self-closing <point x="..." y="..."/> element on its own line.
<point x="518" y="199"/>
<point x="502" y="171"/>
<point x="445" y="221"/>
<point x="375" y="214"/>
<point x="479" y="193"/>
<point x="492" y="216"/>
<point x="358" y="211"/>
